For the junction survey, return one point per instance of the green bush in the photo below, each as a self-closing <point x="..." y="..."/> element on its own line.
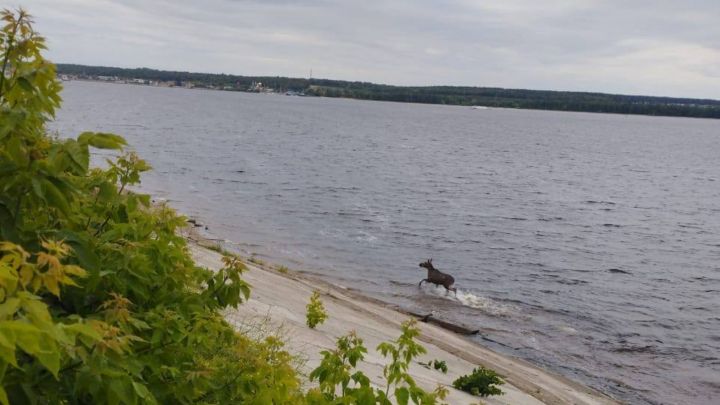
<point x="335" y="373"/>
<point x="316" y="314"/>
<point x="481" y="382"/>
<point x="100" y="301"/>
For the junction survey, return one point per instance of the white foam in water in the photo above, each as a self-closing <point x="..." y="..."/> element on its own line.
<point x="365" y="237"/>
<point x="471" y="300"/>
<point x="568" y="329"/>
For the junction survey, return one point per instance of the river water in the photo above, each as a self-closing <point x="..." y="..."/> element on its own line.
<point x="586" y="243"/>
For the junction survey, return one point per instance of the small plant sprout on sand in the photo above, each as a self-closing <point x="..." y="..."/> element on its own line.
<point x="438" y="365"/>
<point x="254" y="260"/>
<point x="316" y="313"/>
<point x="401" y="353"/>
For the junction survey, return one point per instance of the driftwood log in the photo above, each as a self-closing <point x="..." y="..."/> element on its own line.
<point x="453" y="327"/>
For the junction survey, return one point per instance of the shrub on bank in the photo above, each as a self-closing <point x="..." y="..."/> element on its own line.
<point x="100" y="301"/>
<point x="315" y="311"/>
<point x="482" y="382"/>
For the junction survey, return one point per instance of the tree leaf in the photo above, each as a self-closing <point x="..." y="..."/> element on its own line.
<point x="34" y="342"/>
<point x="102" y="140"/>
<point x="83" y="329"/>
<point x="123" y="390"/>
<point x="142" y="391"/>
<point x="50" y="359"/>
<point x="82" y="249"/>
<point x="3" y="397"/>
<point x="402" y="395"/>
<point x="7" y="347"/>
<point x="54" y="197"/>
<point x="37" y="311"/>
<point x="9" y="307"/>
<point x="25" y="84"/>
<point x="18" y="152"/>
<point x="79" y="155"/>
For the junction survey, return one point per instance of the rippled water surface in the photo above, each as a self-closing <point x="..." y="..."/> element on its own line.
<point x="586" y="243"/>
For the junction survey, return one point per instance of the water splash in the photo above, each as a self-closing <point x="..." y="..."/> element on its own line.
<point x="484" y="304"/>
<point x="468" y="299"/>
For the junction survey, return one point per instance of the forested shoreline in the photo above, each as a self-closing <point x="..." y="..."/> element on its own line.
<point x="450" y="95"/>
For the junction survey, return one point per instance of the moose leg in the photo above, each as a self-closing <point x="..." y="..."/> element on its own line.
<point x="448" y="289"/>
<point x="421" y="281"/>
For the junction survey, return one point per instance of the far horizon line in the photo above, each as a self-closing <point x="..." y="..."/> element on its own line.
<point x="397" y="85"/>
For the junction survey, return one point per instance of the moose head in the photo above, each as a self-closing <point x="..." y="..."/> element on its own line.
<point x="427" y="264"/>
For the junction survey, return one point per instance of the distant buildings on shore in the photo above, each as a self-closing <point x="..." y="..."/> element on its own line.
<point x="258" y="87"/>
<point x="122" y="80"/>
<point x="255" y="87"/>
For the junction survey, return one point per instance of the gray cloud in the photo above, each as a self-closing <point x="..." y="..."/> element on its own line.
<point x="656" y="47"/>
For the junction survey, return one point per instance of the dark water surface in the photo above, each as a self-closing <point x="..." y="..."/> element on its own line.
<point x="586" y="243"/>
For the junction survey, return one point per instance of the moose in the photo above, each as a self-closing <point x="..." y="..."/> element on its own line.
<point x="437" y="277"/>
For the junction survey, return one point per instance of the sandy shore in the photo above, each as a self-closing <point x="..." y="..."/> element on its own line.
<point x="278" y="300"/>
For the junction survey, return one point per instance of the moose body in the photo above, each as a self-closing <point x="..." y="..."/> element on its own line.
<point x="437" y="277"/>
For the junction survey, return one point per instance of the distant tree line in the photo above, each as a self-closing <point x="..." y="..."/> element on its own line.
<point x="453" y="95"/>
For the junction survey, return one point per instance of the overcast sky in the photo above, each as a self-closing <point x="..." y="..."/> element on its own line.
<point x="653" y="47"/>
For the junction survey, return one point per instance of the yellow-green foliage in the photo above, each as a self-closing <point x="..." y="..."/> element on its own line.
<point x="316" y="313"/>
<point x="100" y="301"/>
<point x="335" y="373"/>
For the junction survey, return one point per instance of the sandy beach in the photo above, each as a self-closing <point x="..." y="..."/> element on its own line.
<point x="278" y="303"/>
